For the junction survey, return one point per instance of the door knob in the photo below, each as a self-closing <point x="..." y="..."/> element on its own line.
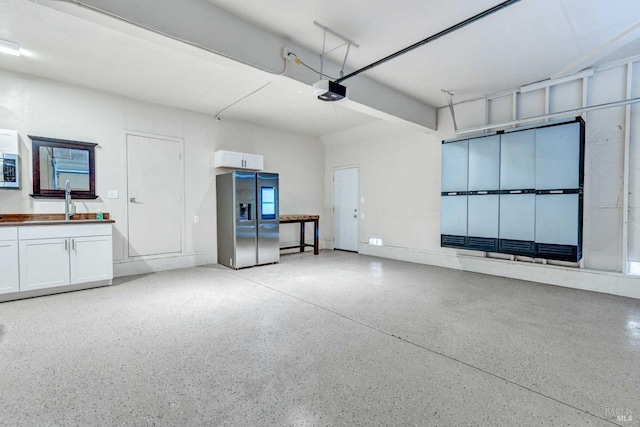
<point x="133" y="200"/>
<point x="355" y="216"/>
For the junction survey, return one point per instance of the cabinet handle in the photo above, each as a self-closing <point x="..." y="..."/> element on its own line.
<point x="73" y="244"/>
<point x="66" y="245"/>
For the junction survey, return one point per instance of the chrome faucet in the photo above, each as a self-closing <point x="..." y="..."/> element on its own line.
<point x="69" y="207"/>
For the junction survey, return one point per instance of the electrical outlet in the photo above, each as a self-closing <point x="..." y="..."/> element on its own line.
<point x="285" y="53"/>
<point x="196" y="219"/>
<point x="373" y="241"/>
<point x="112" y="194"/>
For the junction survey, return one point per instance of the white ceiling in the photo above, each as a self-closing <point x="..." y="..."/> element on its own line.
<point x="125" y="60"/>
<point x="523" y="43"/>
<point x="529" y="41"/>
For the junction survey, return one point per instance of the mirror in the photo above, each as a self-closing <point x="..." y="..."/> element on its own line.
<point x="57" y="160"/>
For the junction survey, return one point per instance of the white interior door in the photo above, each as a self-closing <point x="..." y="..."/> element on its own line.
<point x="154" y="190"/>
<point x="345" y="209"/>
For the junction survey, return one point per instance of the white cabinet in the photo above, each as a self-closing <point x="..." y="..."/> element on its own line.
<point x="91" y="259"/>
<point x="228" y="159"/>
<point x="52" y="256"/>
<point x="9" y="279"/>
<point x="253" y="161"/>
<point x="44" y="263"/>
<point x="235" y="160"/>
<point x="9" y="142"/>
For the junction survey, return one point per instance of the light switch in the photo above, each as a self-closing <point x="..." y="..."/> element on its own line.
<point x="112" y="194"/>
<point x="196" y="219"/>
<point x="361" y="199"/>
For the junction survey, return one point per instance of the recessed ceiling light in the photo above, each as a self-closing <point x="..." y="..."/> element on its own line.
<point x="9" y="48"/>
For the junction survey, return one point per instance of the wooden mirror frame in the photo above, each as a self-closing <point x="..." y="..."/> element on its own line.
<point x="41" y="141"/>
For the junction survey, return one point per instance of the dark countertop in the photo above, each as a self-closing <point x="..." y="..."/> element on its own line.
<point x="55" y="222"/>
<point x="21" y="220"/>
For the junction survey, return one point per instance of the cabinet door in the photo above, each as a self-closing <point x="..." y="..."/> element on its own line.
<point x="253" y="161"/>
<point x="9" y="267"/>
<point x="229" y="159"/>
<point x="44" y="263"/>
<point x="91" y="259"/>
<point x="483" y="216"/>
<point x="557" y="218"/>
<point x="484" y="163"/>
<point x="518" y="217"/>
<point x="483" y="222"/>
<point x="455" y="162"/>
<point x="453" y="218"/>
<point x="558" y="157"/>
<point x="518" y="160"/>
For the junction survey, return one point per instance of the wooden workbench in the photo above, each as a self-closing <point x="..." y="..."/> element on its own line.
<point x="302" y="220"/>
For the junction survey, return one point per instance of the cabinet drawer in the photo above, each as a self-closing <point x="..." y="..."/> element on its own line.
<point x="62" y="231"/>
<point x="8" y="233"/>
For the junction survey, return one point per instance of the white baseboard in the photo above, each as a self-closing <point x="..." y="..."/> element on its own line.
<point x="50" y="291"/>
<point x="589" y="280"/>
<point x="144" y="265"/>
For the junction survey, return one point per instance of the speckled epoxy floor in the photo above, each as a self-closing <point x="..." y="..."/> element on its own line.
<point x="334" y="339"/>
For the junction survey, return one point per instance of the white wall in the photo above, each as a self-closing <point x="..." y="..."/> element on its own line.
<point x="46" y="108"/>
<point x="400" y="184"/>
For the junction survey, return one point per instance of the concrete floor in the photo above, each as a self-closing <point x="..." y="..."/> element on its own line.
<point x="336" y="339"/>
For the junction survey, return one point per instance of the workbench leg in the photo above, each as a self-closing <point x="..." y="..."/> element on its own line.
<point x="316" y="237"/>
<point x="302" y="236"/>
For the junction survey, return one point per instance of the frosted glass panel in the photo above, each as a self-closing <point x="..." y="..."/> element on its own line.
<point x="454" y="215"/>
<point x="518" y="160"/>
<point x="557" y="219"/>
<point x="558" y="157"/>
<point x="455" y="160"/>
<point x="484" y="163"/>
<point x="518" y="216"/>
<point x="483" y="215"/>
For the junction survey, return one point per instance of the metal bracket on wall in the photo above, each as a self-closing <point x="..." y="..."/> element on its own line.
<point x="219" y="115"/>
<point x="346" y="41"/>
<point x="450" y="103"/>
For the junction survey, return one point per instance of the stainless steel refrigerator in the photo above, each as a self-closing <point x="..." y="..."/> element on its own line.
<point x="248" y="218"/>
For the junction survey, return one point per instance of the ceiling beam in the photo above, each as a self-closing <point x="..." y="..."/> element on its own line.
<point x="588" y="59"/>
<point x="209" y="27"/>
